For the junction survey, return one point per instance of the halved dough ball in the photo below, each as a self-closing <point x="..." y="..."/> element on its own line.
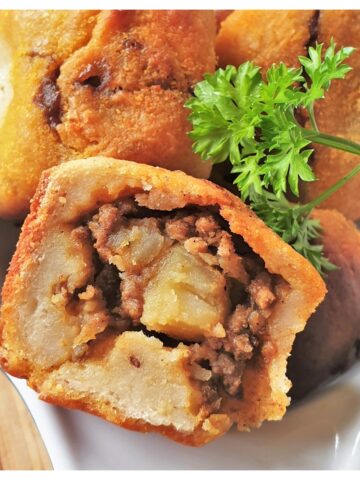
<point x="165" y="347"/>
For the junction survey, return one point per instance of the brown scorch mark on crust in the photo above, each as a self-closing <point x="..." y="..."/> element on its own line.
<point x="132" y="44"/>
<point x="95" y="75"/>
<point x="48" y="98"/>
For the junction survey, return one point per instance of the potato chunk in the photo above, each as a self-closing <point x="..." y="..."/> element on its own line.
<point x="186" y="299"/>
<point x="136" y="245"/>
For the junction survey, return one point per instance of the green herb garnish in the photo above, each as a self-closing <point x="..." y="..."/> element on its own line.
<point x="293" y="222"/>
<point x="250" y="121"/>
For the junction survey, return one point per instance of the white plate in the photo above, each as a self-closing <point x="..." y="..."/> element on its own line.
<point x="322" y="432"/>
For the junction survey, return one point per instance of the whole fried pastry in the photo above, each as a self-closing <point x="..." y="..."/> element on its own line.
<point x="77" y="83"/>
<point x="153" y="299"/>
<point x="338" y="114"/>
<point x="264" y="37"/>
<point x="329" y="340"/>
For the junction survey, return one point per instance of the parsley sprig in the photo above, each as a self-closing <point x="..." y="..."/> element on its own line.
<point x="294" y="223"/>
<point x="252" y="121"/>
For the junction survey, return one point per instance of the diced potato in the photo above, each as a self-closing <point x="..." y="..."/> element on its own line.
<point x="186" y="299"/>
<point x="136" y="245"/>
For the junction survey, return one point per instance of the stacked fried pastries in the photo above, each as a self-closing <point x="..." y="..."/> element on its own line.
<point x="154" y="299"/>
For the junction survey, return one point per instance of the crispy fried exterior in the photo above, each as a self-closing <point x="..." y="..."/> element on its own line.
<point x="69" y="192"/>
<point x="109" y="82"/>
<point x="264" y="37"/>
<point x="329" y="338"/>
<point x="220" y="17"/>
<point x="338" y="114"/>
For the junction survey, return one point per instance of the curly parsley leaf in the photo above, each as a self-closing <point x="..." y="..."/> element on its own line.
<point x="287" y="158"/>
<point x="222" y="115"/>
<point x="321" y="70"/>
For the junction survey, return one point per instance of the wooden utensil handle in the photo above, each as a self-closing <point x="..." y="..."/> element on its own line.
<point x="21" y="447"/>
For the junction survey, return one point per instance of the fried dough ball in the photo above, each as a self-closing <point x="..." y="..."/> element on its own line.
<point x="326" y="345"/>
<point x="264" y="37"/>
<point x="109" y="82"/>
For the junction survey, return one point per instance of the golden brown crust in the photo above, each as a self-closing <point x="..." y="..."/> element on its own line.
<point x="109" y="82"/>
<point x="37" y="148"/>
<point x="264" y="37"/>
<point x="83" y="184"/>
<point x="32" y="233"/>
<point x="338" y="114"/>
<point x="326" y="344"/>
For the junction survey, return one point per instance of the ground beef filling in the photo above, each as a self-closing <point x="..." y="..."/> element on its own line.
<point x="186" y="263"/>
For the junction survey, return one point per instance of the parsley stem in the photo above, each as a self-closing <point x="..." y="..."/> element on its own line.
<point x="332" y="141"/>
<point x="311" y="113"/>
<point x="325" y="195"/>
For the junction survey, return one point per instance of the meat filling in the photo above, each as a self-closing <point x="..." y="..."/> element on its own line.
<point x="182" y="276"/>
